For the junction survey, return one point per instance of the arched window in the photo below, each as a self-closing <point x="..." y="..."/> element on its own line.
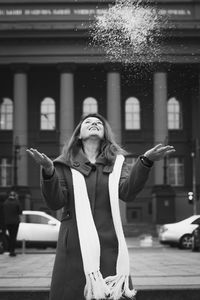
<point x="132" y="114"/>
<point x="174" y="114"/>
<point x="90" y="105"/>
<point x="6" y="114"/>
<point x="47" y="114"/>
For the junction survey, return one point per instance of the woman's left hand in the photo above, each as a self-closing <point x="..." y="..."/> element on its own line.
<point x="159" y="152"/>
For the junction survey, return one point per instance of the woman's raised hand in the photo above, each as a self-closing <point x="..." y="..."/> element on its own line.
<point x="159" y="152"/>
<point x="42" y="160"/>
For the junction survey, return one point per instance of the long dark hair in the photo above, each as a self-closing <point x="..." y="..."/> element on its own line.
<point x="109" y="146"/>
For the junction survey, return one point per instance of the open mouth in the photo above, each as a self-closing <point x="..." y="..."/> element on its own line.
<point x="93" y="128"/>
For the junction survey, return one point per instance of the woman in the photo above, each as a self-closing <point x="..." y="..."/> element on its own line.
<point x="86" y="181"/>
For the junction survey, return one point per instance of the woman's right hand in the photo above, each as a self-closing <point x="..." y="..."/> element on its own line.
<point x="42" y="160"/>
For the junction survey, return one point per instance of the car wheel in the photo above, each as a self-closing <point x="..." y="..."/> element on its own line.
<point x="185" y="242"/>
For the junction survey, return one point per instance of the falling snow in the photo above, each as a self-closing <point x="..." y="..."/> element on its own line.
<point x="128" y="31"/>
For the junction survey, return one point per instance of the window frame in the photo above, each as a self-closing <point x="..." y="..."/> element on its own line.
<point x="133" y="103"/>
<point x="4" y="169"/>
<point x="4" y="115"/>
<point x="178" y="164"/>
<point x="92" y="103"/>
<point x="50" y="122"/>
<point x="174" y="117"/>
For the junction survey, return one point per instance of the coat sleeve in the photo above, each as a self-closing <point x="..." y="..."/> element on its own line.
<point x="132" y="180"/>
<point x="19" y="207"/>
<point x="54" y="190"/>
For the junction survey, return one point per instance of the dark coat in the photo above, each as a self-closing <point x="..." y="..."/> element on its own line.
<point x="68" y="279"/>
<point x="2" y="218"/>
<point x="12" y="211"/>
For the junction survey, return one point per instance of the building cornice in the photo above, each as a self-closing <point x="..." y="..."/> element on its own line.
<point x="58" y="31"/>
<point x="93" y="1"/>
<point x="51" y="18"/>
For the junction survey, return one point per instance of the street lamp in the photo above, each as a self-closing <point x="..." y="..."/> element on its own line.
<point x="194" y="183"/>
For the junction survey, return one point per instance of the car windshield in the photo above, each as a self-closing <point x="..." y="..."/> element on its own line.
<point x="197" y="221"/>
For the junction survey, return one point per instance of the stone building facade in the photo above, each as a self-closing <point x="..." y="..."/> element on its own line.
<point x="49" y="76"/>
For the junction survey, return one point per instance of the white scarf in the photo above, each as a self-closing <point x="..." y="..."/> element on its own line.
<point x="97" y="287"/>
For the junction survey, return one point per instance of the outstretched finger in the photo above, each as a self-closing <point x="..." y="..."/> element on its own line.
<point x="170" y="151"/>
<point x="44" y="156"/>
<point x="30" y="152"/>
<point x="37" y="153"/>
<point x="157" y="146"/>
<point x="166" y="148"/>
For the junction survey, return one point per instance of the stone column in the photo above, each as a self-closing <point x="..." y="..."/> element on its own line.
<point x="195" y="140"/>
<point x="114" y="102"/>
<point x="66" y="104"/>
<point x="66" y="108"/>
<point x="163" y="202"/>
<point x="20" y="130"/>
<point x="160" y="120"/>
<point x="114" y="116"/>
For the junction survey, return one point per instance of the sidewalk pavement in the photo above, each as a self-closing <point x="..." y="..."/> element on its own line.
<point x="152" y="266"/>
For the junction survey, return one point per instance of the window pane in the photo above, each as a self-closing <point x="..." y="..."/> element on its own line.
<point x="48" y="115"/>
<point x="90" y="105"/>
<point x="176" y="171"/>
<point x="6" y="114"/>
<point x="174" y="114"/>
<point x="132" y="114"/>
<point x="5" y="172"/>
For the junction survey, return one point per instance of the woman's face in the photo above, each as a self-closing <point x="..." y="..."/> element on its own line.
<point x="92" y="127"/>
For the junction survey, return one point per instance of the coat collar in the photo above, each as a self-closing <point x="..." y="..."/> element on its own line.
<point x="82" y="164"/>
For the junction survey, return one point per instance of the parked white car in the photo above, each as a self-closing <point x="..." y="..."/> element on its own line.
<point x="179" y="233"/>
<point x="38" y="228"/>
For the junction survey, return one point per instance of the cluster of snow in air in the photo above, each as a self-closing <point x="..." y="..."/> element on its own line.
<point x="128" y="31"/>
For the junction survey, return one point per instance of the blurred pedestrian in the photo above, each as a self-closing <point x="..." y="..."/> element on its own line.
<point x="12" y="212"/>
<point x="2" y="227"/>
<point x="87" y="180"/>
